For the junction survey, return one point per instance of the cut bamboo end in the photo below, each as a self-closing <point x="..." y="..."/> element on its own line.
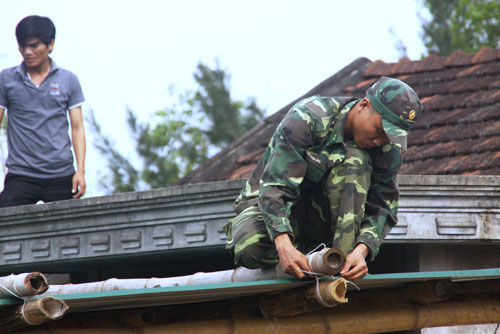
<point x="36" y="283"/>
<point x="328" y="261"/>
<point x="23" y="285"/>
<point x="44" y="309"/>
<point x="299" y="301"/>
<point x="333" y="292"/>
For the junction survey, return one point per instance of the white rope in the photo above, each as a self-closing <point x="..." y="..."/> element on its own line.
<point x="24" y="299"/>
<point x="318" y="294"/>
<point x="317" y="247"/>
<point x="23" y="312"/>
<point x="17" y="295"/>
<point x="429" y="306"/>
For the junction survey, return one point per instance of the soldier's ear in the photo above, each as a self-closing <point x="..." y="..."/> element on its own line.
<point x="364" y="104"/>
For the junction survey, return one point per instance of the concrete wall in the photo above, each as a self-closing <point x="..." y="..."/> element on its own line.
<point x="435" y="211"/>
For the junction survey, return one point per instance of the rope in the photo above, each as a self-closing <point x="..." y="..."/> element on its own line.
<point x="318" y="276"/>
<point x="429" y="307"/>
<point x="24" y="299"/>
<point x="23" y="312"/>
<point x="17" y="295"/>
<point x="317" y="247"/>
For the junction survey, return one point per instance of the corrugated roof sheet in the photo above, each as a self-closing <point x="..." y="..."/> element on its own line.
<point x="162" y="296"/>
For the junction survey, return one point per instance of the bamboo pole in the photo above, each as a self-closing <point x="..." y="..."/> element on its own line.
<point x="408" y="317"/>
<point x="355" y="317"/>
<point x="138" y="318"/>
<point x="298" y="301"/>
<point x="23" y="285"/>
<point x="325" y="262"/>
<point x="33" y="312"/>
<point x="428" y="292"/>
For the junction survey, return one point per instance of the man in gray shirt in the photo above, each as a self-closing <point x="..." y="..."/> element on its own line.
<point x="38" y="96"/>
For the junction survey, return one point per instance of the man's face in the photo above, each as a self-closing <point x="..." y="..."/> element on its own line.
<point x="35" y="52"/>
<point x="368" y="131"/>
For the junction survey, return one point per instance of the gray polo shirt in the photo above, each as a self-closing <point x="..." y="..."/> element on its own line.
<point x="37" y="128"/>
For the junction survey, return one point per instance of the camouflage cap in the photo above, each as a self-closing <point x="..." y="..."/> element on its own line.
<point x="399" y="106"/>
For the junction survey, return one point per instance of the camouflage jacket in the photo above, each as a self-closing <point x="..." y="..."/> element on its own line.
<point x="305" y="146"/>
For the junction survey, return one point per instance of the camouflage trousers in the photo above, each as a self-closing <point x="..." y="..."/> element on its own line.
<point x="331" y="214"/>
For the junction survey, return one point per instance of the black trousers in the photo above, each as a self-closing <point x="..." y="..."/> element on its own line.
<point x="22" y="190"/>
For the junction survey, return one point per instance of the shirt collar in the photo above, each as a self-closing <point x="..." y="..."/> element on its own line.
<point x="340" y="120"/>
<point x="21" y="69"/>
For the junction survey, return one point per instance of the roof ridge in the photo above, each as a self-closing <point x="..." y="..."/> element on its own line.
<point x="432" y="62"/>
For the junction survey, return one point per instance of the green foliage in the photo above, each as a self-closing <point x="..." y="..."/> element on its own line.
<point x="468" y="25"/>
<point x="171" y="148"/>
<point x="229" y="119"/>
<point x="179" y="138"/>
<point x="124" y="176"/>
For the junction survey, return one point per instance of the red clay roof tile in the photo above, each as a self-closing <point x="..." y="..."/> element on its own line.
<point x="431" y="63"/>
<point x="378" y="68"/>
<point x="458" y="58"/>
<point x="458" y="132"/>
<point x="404" y="66"/>
<point x="484" y="55"/>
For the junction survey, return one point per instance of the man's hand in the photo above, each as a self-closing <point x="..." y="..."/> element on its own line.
<point x="355" y="264"/>
<point x="79" y="186"/>
<point x="292" y="261"/>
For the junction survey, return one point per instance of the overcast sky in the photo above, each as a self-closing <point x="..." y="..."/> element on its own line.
<point x="128" y="53"/>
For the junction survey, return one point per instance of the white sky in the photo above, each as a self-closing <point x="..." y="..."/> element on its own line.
<point x="127" y="53"/>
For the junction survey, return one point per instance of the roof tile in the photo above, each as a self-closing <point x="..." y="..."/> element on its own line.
<point x="457" y="133"/>
<point x="378" y="68"/>
<point x="404" y="66"/>
<point x="484" y="55"/>
<point x="431" y="63"/>
<point x="458" y="58"/>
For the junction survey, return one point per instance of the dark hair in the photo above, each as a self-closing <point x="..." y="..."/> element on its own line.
<point x="35" y="27"/>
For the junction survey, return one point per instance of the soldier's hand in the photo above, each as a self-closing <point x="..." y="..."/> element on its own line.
<point x="355" y="264"/>
<point x="292" y="260"/>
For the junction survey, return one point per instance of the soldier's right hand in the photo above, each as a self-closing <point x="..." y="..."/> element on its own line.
<point x="292" y="261"/>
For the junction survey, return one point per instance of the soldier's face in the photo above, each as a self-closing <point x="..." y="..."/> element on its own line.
<point x="368" y="131"/>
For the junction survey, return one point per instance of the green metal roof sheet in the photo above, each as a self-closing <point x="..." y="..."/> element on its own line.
<point x="162" y="296"/>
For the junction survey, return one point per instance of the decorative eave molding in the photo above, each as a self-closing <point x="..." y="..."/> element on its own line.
<point x="448" y="208"/>
<point x="432" y="209"/>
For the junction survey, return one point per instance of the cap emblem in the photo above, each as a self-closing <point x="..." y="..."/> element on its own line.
<point x="412" y="114"/>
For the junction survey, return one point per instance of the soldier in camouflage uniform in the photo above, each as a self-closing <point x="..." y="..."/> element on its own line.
<point x="328" y="175"/>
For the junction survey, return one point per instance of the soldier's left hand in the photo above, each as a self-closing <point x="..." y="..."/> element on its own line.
<point x="355" y="264"/>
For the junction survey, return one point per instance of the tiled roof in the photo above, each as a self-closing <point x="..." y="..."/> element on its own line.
<point x="458" y="132"/>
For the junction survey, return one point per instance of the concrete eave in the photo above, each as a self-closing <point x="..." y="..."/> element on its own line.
<point x="432" y="209"/>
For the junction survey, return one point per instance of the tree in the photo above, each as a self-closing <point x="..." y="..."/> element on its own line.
<point x="229" y="119"/>
<point x="179" y="138"/>
<point x="468" y="25"/>
<point x="124" y="176"/>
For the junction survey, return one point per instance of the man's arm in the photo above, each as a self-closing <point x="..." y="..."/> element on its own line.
<point x="382" y="201"/>
<point x="2" y="111"/>
<point x="78" y="138"/>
